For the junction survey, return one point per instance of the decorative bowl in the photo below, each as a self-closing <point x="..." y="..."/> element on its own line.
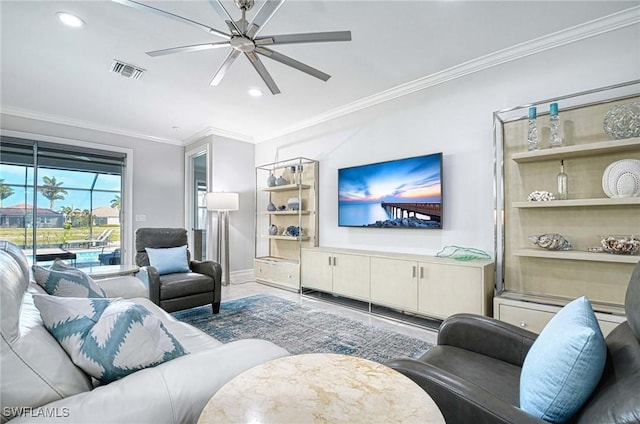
<point x="551" y="241"/>
<point x="621" y="245"/>
<point x="622" y="178"/>
<point x="540" y="196"/>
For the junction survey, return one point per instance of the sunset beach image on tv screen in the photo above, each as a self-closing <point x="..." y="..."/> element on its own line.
<point x="403" y="193"/>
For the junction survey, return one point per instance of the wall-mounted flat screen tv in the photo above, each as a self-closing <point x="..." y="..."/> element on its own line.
<point x="402" y="193"/>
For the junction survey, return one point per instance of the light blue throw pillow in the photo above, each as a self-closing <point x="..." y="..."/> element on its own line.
<point x="107" y="338"/>
<point x="168" y="260"/>
<point x="62" y="280"/>
<point x="564" y="364"/>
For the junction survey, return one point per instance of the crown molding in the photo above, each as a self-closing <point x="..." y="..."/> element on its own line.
<point x="55" y="119"/>
<point x="208" y="131"/>
<point x="589" y="29"/>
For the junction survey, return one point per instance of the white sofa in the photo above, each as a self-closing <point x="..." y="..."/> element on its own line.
<point x="39" y="383"/>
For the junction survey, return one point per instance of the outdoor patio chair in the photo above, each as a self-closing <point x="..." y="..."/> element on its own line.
<point x="101" y="240"/>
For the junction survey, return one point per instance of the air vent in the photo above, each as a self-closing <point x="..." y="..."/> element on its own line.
<point x="126" y="70"/>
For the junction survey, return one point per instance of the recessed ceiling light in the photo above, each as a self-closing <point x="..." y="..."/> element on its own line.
<point x="255" y="92"/>
<point x="70" y="20"/>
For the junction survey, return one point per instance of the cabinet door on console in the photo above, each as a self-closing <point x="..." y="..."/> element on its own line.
<point x="445" y="290"/>
<point x="394" y="283"/>
<point x="351" y="276"/>
<point x="316" y="270"/>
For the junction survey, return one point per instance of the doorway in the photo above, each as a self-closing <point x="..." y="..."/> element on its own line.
<point x="196" y="208"/>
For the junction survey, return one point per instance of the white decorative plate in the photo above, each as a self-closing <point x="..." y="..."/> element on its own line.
<point x="622" y="178"/>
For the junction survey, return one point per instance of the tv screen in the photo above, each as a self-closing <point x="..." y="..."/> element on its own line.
<point x="402" y="193"/>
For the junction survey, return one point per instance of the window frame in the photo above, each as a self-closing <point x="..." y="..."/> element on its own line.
<point x="126" y="196"/>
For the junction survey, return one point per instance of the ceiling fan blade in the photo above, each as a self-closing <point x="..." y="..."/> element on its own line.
<point x="140" y="6"/>
<point x="279" y="57"/>
<point x="224" y="14"/>
<point x="232" y="27"/>
<point x="191" y="48"/>
<point x="268" y="9"/>
<point x="262" y="71"/>
<point x="309" y="37"/>
<point x="222" y="70"/>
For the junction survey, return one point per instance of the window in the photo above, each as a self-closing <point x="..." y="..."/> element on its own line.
<point x="58" y="198"/>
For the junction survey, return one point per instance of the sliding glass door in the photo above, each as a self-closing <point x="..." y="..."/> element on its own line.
<point x="63" y="201"/>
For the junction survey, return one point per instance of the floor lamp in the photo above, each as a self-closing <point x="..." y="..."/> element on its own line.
<point x="223" y="203"/>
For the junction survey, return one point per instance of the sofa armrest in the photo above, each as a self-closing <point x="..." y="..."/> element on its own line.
<point x="458" y="400"/>
<point x="151" y="278"/>
<point x="126" y="287"/>
<point x="487" y="336"/>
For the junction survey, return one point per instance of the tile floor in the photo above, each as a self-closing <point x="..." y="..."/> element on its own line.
<point x="238" y="290"/>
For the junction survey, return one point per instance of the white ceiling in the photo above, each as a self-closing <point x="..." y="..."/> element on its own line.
<point x="60" y="74"/>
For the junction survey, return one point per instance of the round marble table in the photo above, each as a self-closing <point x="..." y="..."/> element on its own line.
<point x="320" y="388"/>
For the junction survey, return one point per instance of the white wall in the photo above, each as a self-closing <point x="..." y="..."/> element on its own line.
<point x="456" y="119"/>
<point x="233" y="171"/>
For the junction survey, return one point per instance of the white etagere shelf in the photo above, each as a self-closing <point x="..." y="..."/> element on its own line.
<point x="576" y="255"/>
<point x="583" y="150"/>
<point x="287" y="187"/>
<point x="286" y="212"/>
<point x="291" y="238"/>
<point x="605" y="201"/>
<point x="534" y="283"/>
<point x="277" y="256"/>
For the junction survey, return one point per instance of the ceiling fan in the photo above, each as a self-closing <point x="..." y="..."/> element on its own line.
<point x="243" y="38"/>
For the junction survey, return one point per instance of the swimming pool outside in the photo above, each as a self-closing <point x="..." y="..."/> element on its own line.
<point x="84" y="258"/>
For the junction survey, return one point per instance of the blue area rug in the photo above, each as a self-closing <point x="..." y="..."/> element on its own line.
<point x="301" y="329"/>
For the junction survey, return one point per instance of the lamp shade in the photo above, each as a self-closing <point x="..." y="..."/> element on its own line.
<point x="223" y="201"/>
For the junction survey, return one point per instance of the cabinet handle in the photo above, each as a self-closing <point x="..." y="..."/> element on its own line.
<point x="413" y="271"/>
<point x="329" y="260"/>
<point x="421" y="272"/>
<point x="334" y="261"/>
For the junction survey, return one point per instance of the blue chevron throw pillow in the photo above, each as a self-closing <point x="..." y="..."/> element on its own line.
<point x="107" y="338"/>
<point x="61" y="280"/>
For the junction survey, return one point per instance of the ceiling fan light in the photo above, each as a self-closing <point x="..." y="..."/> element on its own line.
<point x="255" y="92"/>
<point x="70" y="20"/>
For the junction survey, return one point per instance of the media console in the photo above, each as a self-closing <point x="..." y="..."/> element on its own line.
<point x="416" y="284"/>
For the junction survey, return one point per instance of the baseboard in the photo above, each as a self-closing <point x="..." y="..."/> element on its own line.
<point x="242" y="276"/>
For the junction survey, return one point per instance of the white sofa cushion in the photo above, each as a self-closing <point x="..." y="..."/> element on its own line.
<point x="191" y="338"/>
<point x="172" y="393"/>
<point x="108" y="338"/>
